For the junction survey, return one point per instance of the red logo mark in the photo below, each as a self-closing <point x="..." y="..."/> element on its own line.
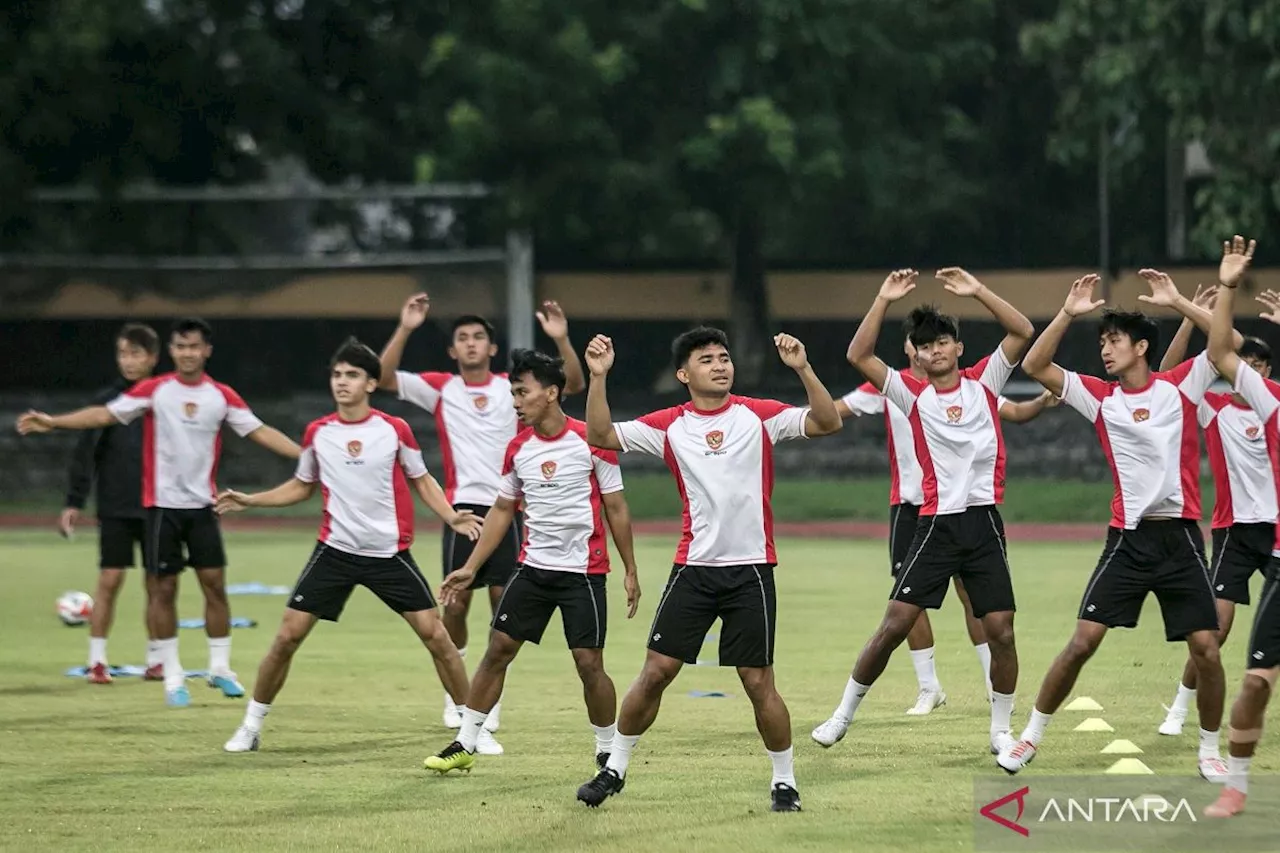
<point x="190" y="409"/>
<point x="715" y="438"/>
<point x="954" y="414"/>
<point x="1140" y="415"/>
<point x="354" y="448"/>
<point x="989" y="811"/>
<point x="548" y="470"/>
<point x="1251" y="432"/>
<point x="481" y="402"/>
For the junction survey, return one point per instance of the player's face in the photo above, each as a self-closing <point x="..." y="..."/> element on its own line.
<point x="939" y="357"/>
<point x="709" y="370"/>
<point x="350" y="385"/>
<point x="472" y="346"/>
<point x="532" y="399"/>
<point x="1119" y="353"/>
<point x="189" y="352"/>
<point x="1263" y="368"/>
<point x="133" y="361"/>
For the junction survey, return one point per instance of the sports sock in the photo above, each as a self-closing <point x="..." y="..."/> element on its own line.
<point x="1209" y="745"/>
<point x="783" y="767"/>
<point x="1001" y="712"/>
<point x="174" y="676"/>
<point x="1182" y="701"/>
<point x="1034" y="732"/>
<point x="604" y="737"/>
<point x="1238" y="773"/>
<point x="853" y="693"/>
<point x="984" y="658"/>
<point x="153" y="653"/>
<point x="97" y="650"/>
<point x="254" y="715"/>
<point x="472" y="721"/>
<point x="219" y="655"/>
<point x="494" y="719"/>
<point x="926" y="672"/>
<point x="620" y="753"/>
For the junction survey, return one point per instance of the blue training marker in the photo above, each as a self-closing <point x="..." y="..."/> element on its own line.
<point x="257" y="589"/>
<point x="708" y="694"/>
<point x="129" y="671"/>
<point x="236" y="622"/>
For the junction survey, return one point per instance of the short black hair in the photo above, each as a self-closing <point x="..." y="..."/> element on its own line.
<point x="547" y="370"/>
<point x="187" y="325"/>
<point x="695" y="339"/>
<point x="1134" y="325"/>
<point x="926" y="324"/>
<point x="1256" y="348"/>
<point x="473" y="320"/>
<point x="140" y="335"/>
<point x="356" y="354"/>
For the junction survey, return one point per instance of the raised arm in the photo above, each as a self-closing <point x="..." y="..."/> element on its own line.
<point x="1165" y="293"/>
<point x="1018" y="329"/>
<point x="822" y="418"/>
<point x="1028" y="410"/>
<point x="90" y="417"/>
<point x="412" y="315"/>
<point x="1176" y="352"/>
<point x="618" y="516"/>
<point x="862" y="349"/>
<point x="288" y="493"/>
<point x="1236" y="257"/>
<point x="1039" y="360"/>
<point x="600" y="431"/>
<point x="275" y="441"/>
<point x="556" y="326"/>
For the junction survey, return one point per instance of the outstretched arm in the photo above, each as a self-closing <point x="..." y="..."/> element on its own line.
<point x="1028" y="410"/>
<point x="822" y="417"/>
<point x="600" y="431"/>
<point x="862" y="349"/>
<point x="1039" y="361"/>
<point x="1176" y="353"/>
<point x="618" y="515"/>
<point x="1018" y="329"/>
<point x="1236" y="257"/>
<point x="412" y="315"/>
<point x="1165" y="293"/>
<point x="90" y="417"/>
<point x="288" y="493"/>
<point x="556" y="325"/>
<point x="275" y="441"/>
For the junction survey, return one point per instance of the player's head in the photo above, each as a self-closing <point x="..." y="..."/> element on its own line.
<point x="702" y="361"/>
<point x="1127" y="338"/>
<point x="190" y="345"/>
<point x="137" y="351"/>
<point x="354" y="372"/>
<point x="908" y="348"/>
<point x="472" y="342"/>
<point x="537" y="384"/>
<point x="1256" y="353"/>
<point x="936" y="337"/>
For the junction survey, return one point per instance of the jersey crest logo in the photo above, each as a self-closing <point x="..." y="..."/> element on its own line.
<point x="954" y="413"/>
<point x="190" y="409"/>
<point x="481" y="402"/>
<point x="548" y="470"/>
<point x="1140" y="415"/>
<point x="715" y="438"/>
<point x="354" y="448"/>
<point x="1251" y="432"/>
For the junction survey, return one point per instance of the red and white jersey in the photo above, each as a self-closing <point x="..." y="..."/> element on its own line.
<point x="474" y="425"/>
<point x="182" y="436"/>
<point x="363" y="468"/>
<point x="1240" y="460"/>
<point x="1150" y="438"/>
<point x="957" y="434"/>
<point x="561" y="480"/>
<point x="1263" y="396"/>
<point x="723" y="464"/>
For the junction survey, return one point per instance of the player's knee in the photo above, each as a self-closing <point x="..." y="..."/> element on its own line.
<point x="590" y="664"/>
<point x="1000" y="633"/>
<point x="1258" y="686"/>
<point x="286" y="644"/>
<point x="109" y="583"/>
<point x="654" y="679"/>
<point x="1205" y="652"/>
<point x="756" y="681"/>
<point x="1080" y="648"/>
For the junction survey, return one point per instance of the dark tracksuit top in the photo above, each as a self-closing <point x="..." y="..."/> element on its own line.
<point x="112" y="456"/>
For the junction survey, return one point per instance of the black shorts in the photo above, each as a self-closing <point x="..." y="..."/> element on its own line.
<point x="177" y="538"/>
<point x="533" y="594"/>
<point x="967" y="544"/>
<point x="330" y="575"/>
<point x="116" y="538"/>
<point x="742" y="597"/>
<point x="1264" y="640"/>
<point x="1238" y="552"/>
<point x="902" y="529"/>
<point x="1164" y="557"/>
<point x="455" y="550"/>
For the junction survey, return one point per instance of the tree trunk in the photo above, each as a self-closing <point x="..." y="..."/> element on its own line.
<point x="748" y="302"/>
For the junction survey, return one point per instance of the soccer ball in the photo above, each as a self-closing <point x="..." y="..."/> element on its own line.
<point x="74" y="608"/>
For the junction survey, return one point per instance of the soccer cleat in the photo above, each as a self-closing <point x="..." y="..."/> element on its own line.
<point x="1173" y="720"/>
<point x="486" y="744"/>
<point x="602" y="758"/>
<point x="831" y="732"/>
<point x="452" y="717"/>
<point x="785" y="798"/>
<point x="926" y="702"/>
<point x="1214" y="770"/>
<point x="605" y="784"/>
<point x="98" y="674"/>
<point x="1229" y="804"/>
<point x="243" y="740"/>
<point x="454" y="757"/>
<point x="178" y="697"/>
<point x="1002" y="741"/>
<point x="226" y="682"/>
<point x="155" y="672"/>
<point x="1016" y="757"/>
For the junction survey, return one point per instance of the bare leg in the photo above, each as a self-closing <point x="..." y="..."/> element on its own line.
<point x="997" y="630"/>
<point x="1066" y="667"/>
<point x="773" y="720"/>
<point x="597" y="687"/>
<point x="274" y="669"/>
<point x="899" y="618"/>
<point x="644" y="696"/>
<point x="217" y="610"/>
<point x="110" y="582"/>
<point x="455" y="622"/>
<point x="1226" y="618"/>
<point x="430" y="629"/>
<point x="977" y="634"/>
<point x="1211" y="695"/>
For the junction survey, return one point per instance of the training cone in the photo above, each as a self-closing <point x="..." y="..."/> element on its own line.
<point x="1121" y="747"/>
<point x="1083" y="703"/>
<point x="1130" y="767"/>
<point x="1094" y="724"/>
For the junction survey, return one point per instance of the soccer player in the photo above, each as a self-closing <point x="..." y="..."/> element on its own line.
<point x="1146" y="422"/>
<point x="1244" y="507"/>
<point x="365" y="462"/>
<point x="1262" y="666"/>
<point x="956" y="430"/>
<point x="719" y="447"/>
<point x="474" y="424"/>
<point x="109" y="462"/>
<point x="906" y="494"/>
<point x="564" y="558"/>
<point x="183" y="416"/>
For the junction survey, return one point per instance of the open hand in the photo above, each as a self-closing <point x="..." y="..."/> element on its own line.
<point x="1206" y="297"/>
<point x="1271" y="299"/>
<point x="631" y="584"/>
<point x="1236" y="257"/>
<point x="600" y="355"/>
<point x="1080" y="299"/>
<point x="467" y="523"/>
<point x="33" y="422"/>
<point x="553" y="321"/>
<point x="231" y="501"/>
<point x="1163" y="291"/>
<point x="958" y="281"/>
<point x="457" y="582"/>
<point x="898" y="284"/>
<point x="791" y="351"/>
<point x="415" y="310"/>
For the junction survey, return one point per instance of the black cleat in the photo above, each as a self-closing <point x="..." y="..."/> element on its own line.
<point x="602" y="758"/>
<point x="605" y="785"/>
<point x="785" y="798"/>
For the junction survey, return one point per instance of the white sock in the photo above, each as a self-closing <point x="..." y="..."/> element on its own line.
<point x="604" y="737"/>
<point x="97" y="650"/>
<point x="153" y="653"/>
<point x="1001" y="712"/>
<point x="254" y="715"/>
<point x="1034" y="732"/>
<point x="449" y="704"/>
<point x="472" y="721"/>
<point x="174" y="676"/>
<point x="926" y="673"/>
<point x="783" y="767"/>
<point x="1238" y="773"/>
<point x="219" y="655"/>
<point x="1182" y="702"/>
<point x="620" y="753"/>
<point x="984" y="658"/>
<point x="1209" y="745"/>
<point x="494" y="719"/>
<point x="853" y="693"/>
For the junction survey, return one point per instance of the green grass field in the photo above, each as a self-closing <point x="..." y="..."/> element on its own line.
<point x="89" y="767"/>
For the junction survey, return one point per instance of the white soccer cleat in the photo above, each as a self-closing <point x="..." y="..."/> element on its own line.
<point x="243" y="741"/>
<point x="487" y="744"/>
<point x="452" y="717"/>
<point x="926" y="702"/>
<point x="1173" y="722"/>
<point x="831" y="732"/>
<point x="1002" y="741"/>
<point x="494" y="720"/>
<point x="1213" y="770"/>
<point x="1016" y="757"/>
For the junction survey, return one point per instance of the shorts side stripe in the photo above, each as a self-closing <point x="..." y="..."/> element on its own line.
<point x="665" y="596"/>
<point x="1004" y="553"/>
<point x="497" y="610"/>
<point x="320" y="549"/>
<point x="893" y="533"/>
<point x="418" y="577"/>
<point x="448" y="560"/>
<point x="1267" y="600"/>
<point x="1217" y="558"/>
<point x="906" y="570"/>
<point x="1098" y="574"/>
<point x="591" y="594"/>
<point x="764" y="604"/>
<point x="1204" y="568"/>
<point x="155" y="542"/>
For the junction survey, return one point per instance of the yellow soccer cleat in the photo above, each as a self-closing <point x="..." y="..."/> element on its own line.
<point x="454" y="757"/>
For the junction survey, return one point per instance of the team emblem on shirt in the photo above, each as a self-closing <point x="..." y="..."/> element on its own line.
<point x="354" y="448"/>
<point x="954" y="413"/>
<point x="548" y="470"/>
<point x="481" y="402"/>
<point x="1140" y="415"/>
<point x="190" y="409"/>
<point x="715" y="438"/>
<point x="1251" y="432"/>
